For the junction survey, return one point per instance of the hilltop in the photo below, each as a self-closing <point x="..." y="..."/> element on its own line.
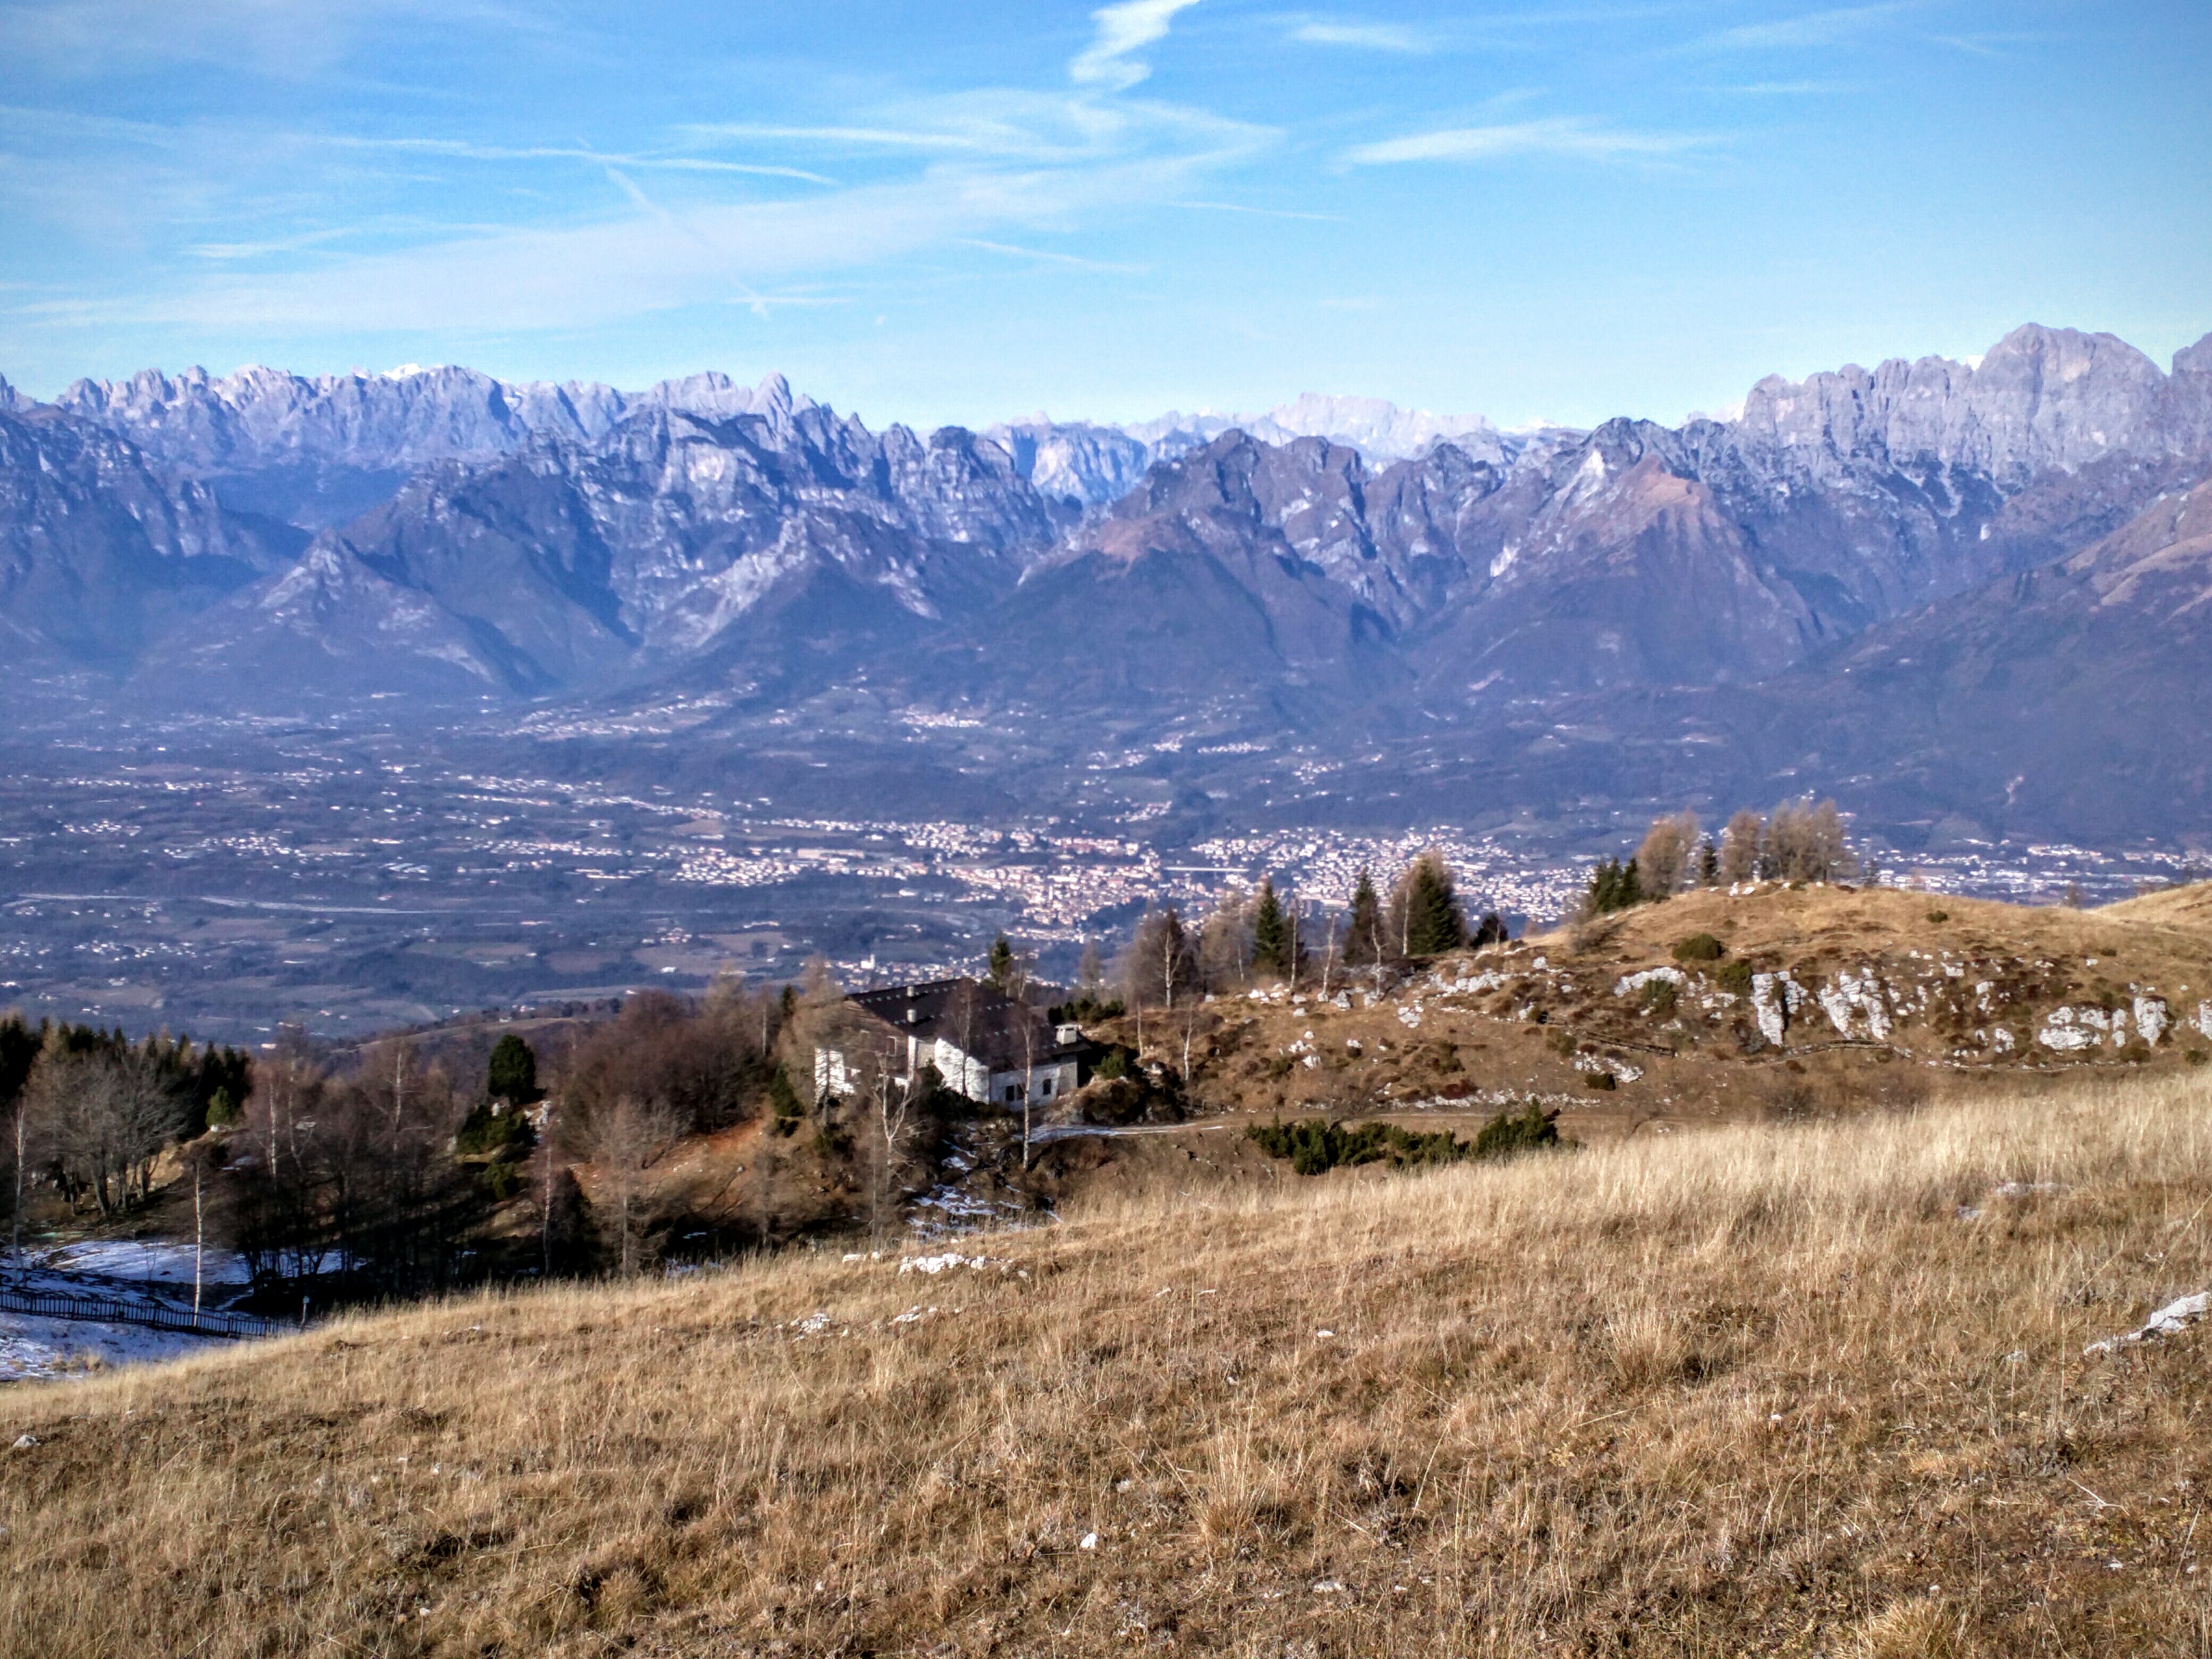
<point x="1798" y="1388"/>
<point x="1820" y="999"/>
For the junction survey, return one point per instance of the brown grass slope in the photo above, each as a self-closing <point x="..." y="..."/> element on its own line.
<point x="1969" y="986"/>
<point x="2188" y="909"/>
<point x="1811" y="1390"/>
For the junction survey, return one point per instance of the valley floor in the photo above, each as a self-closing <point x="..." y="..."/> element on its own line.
<point x="1796" y="1389"/>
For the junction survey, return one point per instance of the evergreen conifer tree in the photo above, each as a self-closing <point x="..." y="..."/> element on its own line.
<point x="1434" y="922"/>
<point x="1002" y="961"/>
<point x="1364" y="934"/>
<point x="513" y="1076"/>
<point x="1271" y="932"/>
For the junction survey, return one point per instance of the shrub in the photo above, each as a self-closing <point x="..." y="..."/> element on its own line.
<point x="1086" y="1010"/>
<point x="1508" y="1133"/>
<point x="1939" y="915"/>
<point x="1315" y="1146"/>
<point x="484" y="1131"/>
<point x="783" y="1103"/>
<point x="2193" y="1056"/>
<point x="500" y="1181"/>
<point x="1602" y="1081"/>
<point x="221" y="1109"/>
<point x="1735" y="976"/>
<point x="1116" y="1062"/>
<point x="1561" y="1042"/>
<point x="1659" y="998"/>
<point x="1699" y="947"/>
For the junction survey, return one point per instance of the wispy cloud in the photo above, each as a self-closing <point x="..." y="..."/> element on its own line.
<point x="1991" y="43"/>
<point x="653" y="257"/>
<point x="1123" y="29"/>
<point x="1806" y="29"/>
<point x="857" y="138"/>
<point x="1562" y="137"/>
<point x="472" y="152"/>
<point x="1374" y="37"/>
<point x="1259" y="212"/>
<point x="1075" y="262"/>
<point x="1788" y="89"/>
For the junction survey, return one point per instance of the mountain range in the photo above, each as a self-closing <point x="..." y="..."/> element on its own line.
<point x="1929" y="563"/>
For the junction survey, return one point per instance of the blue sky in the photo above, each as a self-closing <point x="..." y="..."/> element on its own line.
<point x="937" y="213"/>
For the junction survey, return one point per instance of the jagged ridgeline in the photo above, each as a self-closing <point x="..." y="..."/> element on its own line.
<point x="1918" y="566"/>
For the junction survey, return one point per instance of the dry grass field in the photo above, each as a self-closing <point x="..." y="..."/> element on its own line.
<point x="1785" y="1389"/>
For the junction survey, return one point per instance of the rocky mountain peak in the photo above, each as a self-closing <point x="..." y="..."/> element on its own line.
<point x="2041" y="397"/>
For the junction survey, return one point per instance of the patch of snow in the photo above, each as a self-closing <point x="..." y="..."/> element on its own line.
<point x="1409" y="1014"/>
<point x="2173" y="1318"/>
<point x="944" y="1263"/>
<point x="34" y="1347"/>
<point x="2151" y="1017"/>
<point x="151" y="1261"/>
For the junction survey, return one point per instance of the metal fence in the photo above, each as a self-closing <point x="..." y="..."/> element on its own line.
<point x="156" y="1315"/>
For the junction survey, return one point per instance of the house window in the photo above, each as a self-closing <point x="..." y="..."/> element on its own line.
<point x="1014" y="1093"/>
<point x="1047" y="1088"/>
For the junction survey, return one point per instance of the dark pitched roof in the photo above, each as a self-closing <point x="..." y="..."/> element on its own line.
<point x="976" y="1018"/>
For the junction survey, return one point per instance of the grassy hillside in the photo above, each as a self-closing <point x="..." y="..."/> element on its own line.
<point x="1873" y="997"/>
<point x="1791" y="1388"/>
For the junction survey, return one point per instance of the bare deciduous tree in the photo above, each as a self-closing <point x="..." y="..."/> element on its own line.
<point x="625" y="1139"/>
<point x="1740" y="845"/>
<point x="1663" y="862"/>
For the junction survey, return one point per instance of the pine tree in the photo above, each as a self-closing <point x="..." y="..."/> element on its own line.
<point x="1433" y="921"/>
<point x="513" y="1076"/>
<point x="1604" y="883"/>
<point x="1613" y="886"/>
<point x="1002" y="961"/>
<point x="1362" y="937"/>
<point x="1271" y="932"/>
<point x="1708" y="864"/>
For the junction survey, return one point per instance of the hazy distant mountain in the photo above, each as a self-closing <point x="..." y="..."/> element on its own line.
<point x="102" y="553"/>
<point x="1090" y="465"/>
<point x="318" y="451"/>
<point x="675" y="539"/>
<point x="1380" y="431"/>
<point x="573" y="540"/>
<point x="2073" y="694"/>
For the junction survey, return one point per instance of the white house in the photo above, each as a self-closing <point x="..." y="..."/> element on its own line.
<point x="985" y="1045"/>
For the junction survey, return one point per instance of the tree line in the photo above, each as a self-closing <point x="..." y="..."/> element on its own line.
<point x="1257" y="937"/>
<point x="90" y="1112"/>
<point x="1798" y="841"/>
